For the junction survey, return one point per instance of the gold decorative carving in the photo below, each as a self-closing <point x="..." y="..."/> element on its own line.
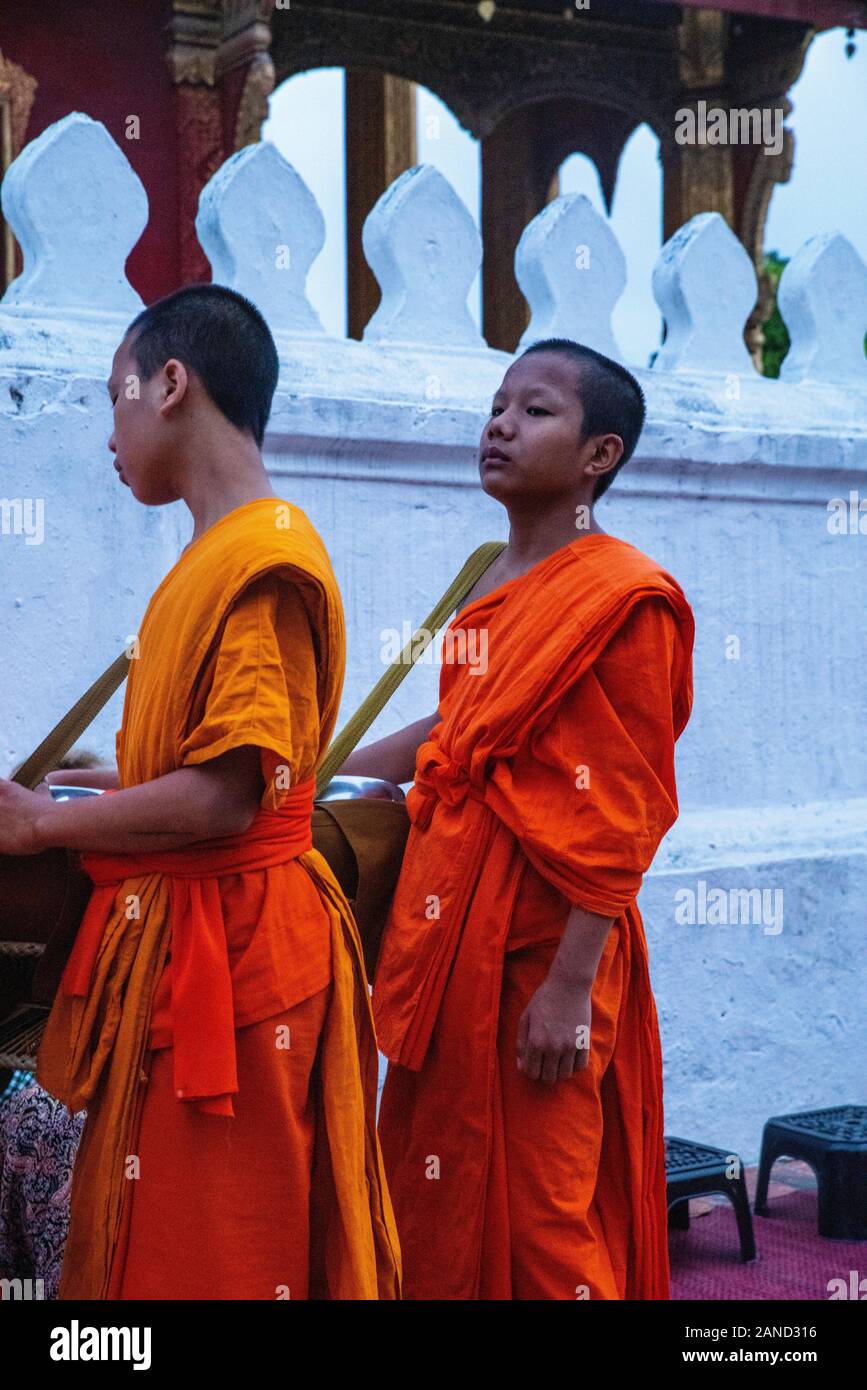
<point x="706" y="185"/>
<point x="702" y="39"/>
<point x="17" y="91"/>
<point x="253" y="109"/>
<point x="242" y="46"/>
<point x="767" y="171"/>
<point x="241" y="14"/>
<point x="766" y="174"/>
<point x="199" y="131"/>
<point x="191" y="65"/>
<point x="195" y="31"/>
<point x="532" y="57"/>
<point x="246" y="44"/>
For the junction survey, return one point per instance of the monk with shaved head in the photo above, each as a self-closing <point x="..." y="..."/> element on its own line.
<point x="521" y="1120"/>
<point x="214" y="1017"/>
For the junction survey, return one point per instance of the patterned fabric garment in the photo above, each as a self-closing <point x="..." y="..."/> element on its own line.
<point x="38" y="1142"/>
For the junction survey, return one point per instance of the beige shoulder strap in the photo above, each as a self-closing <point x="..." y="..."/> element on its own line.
<point x="391" y="678"/>
<point x="73" y="724"/>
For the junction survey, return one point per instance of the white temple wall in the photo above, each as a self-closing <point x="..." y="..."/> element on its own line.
<point x="376" y="441"/>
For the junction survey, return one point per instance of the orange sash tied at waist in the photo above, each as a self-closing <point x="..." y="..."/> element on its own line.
<point x="224" y="658"/>
<point x="542" y="641"/>
<point x="438" y="777"/>
<point x="205" y="1069"/>
<point x="499" y="849"/>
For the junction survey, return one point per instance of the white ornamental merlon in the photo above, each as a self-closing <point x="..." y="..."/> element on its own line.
<point x="77" y="209"/>
<point x="572" y="271"/>
<point x="705" y="285"/>
<point x="424" y="249"/>
<point x="261" y="229"/>
<point x="822" y="297"/>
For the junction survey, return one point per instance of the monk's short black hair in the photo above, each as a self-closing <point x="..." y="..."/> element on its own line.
<point x="224" y="339"/>
<point x="611" y="398"/>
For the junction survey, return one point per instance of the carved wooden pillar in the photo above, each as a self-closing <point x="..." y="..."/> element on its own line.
<point x="380" y="145"/>
<point x="760" y="176"/>
<point x="195" y="31"/>
<point x="699" y="177"/>
<point x="516" y="185"/>
<point x="521" y="159"/>
<point x="17" y="90"/>
<point x="245" y="72"/>
<point x="735" y="63"/>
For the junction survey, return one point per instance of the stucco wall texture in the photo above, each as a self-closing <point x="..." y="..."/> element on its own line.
<point x="748" y="490"/>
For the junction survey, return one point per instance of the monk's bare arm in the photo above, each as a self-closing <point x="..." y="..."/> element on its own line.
<point x="105" y="778"/>
<point x="581" y="947"/>
<point x="219" y="797"/>
<point x="391" y="758"/>
<point x="554" y="1029"/>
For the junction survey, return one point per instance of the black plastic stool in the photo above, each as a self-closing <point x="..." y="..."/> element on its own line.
<point x="834" y="1143"/>
<point x="696" y="1170"/>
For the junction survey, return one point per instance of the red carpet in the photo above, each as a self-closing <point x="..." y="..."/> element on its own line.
<point x="792" y="1260"/>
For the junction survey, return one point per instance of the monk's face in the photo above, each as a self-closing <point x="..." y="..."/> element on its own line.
<point x="533" y="442"/>
<point x="142" y="439"/>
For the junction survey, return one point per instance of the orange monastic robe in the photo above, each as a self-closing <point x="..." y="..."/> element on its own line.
<point x="549" y="781"/>
<point x="214" y="1016"/>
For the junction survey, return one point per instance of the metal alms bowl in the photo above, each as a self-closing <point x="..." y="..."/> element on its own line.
<point x="338" y="789"/>
<point x="350" y="788"/>
<point x="61" y="793"/>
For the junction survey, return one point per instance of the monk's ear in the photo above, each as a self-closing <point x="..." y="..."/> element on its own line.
<point x="174" y="385"/>
<point x="606" y="455"/>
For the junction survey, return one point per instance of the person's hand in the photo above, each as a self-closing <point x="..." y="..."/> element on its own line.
<point x="20" y="809"/>
<point x="68" y="777"/>
<point x="554" y="1031"/>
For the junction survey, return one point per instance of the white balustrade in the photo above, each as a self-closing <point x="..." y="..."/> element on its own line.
<point x="733" y="488"/>
<point x="424" y="249"/>
<point x="572" y="272"/>
<point x="262" y="229"/>
<point x="77" y="209"/>
<point x="823" y="299"/>
<point x="705" y="285"/>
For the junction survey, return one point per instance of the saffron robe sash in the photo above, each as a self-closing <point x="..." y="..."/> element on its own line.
<point x="546" y="634"/>
<point x="482" y="835"/>
<point x="95" y="1044"/>
<point x="201" y="981"/>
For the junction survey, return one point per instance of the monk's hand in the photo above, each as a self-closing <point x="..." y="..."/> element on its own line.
<point x="20" y="810"/>
<point x="554" y="1030"/>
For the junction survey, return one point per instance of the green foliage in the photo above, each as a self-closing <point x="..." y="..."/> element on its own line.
<point x="776" y="338"/>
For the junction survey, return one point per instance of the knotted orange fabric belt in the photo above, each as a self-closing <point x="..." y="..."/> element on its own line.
<point x="438" y="777"/>
<point x="205" y="1069"/>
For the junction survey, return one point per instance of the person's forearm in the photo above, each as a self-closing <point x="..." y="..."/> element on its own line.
<point x="581" y="947"/>
<point x="392" y="758"/>
<point x="167" y="813"/>
<point x="105" y="778"/>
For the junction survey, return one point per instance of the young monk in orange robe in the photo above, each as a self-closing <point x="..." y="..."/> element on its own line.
<point x="214" y="1016"/>
<point x="521" y="1119"/>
